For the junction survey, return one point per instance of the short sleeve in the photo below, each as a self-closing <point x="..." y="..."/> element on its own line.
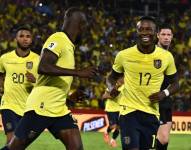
<point x="171" y="68"/>
<point x="54" y="44"/>
<point x="117" y="66"/>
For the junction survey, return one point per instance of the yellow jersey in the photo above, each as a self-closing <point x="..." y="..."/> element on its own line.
<point x="16" y="87"/>
<point x="143" y="75"/>
<point x="112" y="105"/>
<point x="48" y="98"/>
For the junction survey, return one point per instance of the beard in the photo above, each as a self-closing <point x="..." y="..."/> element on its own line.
<point x="24" y="48"/>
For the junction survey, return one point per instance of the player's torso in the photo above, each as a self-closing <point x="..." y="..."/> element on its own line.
<point x="65" y="60"/>
<point x="48" y="98"/>
<point x="16" y="86"/>
<point x="145" y="71"/>
<point x="144" y="74"/>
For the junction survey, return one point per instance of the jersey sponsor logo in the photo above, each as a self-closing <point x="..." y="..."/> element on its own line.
<point x="52" y="45"/>
<point x="29" y="65"/>
<point x="157" y="63"/>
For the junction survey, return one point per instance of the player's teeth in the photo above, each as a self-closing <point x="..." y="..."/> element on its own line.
<point x="145" y="39"/>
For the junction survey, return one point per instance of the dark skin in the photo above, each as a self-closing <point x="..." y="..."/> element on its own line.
<point x="146" y="33"/>
<point x="73" y="27"/>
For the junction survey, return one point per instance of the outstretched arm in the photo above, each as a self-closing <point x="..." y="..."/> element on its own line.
<point x="48" y="66"/>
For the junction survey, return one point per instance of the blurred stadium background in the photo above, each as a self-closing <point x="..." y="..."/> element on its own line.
<point x="112" y="28"/>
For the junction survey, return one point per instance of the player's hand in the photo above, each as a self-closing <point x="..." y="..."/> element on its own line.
<point x="114" y="93"/>
<point x="106" y="95"/>
<point x="30" y="77"/>
<point x="87" y="72"/>
<point x="156" y="97"/>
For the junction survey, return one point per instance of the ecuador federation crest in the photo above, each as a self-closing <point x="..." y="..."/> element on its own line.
<point x="29" y="65"/>
<point x="157" y="63"/>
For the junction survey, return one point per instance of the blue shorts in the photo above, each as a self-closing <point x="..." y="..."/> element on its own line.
<point x="10" y="120"/>
<point x="138" y="130"/>
<point x="32" y="125"/>
<point x="113" y="118"/>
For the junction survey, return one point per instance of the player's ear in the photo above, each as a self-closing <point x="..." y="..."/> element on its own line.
<point x="157" y="34"/>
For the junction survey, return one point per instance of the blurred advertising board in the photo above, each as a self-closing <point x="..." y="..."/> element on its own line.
<point x="96" y="120"/>
<point x="181" y="123"/>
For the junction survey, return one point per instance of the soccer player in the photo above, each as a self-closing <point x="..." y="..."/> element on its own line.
<point x="143" y="66"/>
<point x="164" y="36"/>
<point x="112" y="109"/>
<point x="19" y="67"/>
<point x="46" y="105"/>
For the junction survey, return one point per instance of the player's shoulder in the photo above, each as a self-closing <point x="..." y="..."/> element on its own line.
<point x="163" y="51"/>
<point x="33" y="54"/>
<point x="58" y="35"/>
<point x="128" y="50"/>
<point x="8" y="54"/>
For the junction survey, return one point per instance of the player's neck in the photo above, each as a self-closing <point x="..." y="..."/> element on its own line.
<point x="148" y="49"/>
<point x="22" y="53"/>
<point x="163" y="46"/>
<point x="70" y="33"/>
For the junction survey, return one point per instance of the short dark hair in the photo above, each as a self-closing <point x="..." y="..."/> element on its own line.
<point x="165" y="26"/>
<point x="71" y="10"/>
<point x="150" y="18"/>
<point x="23" y="27"/>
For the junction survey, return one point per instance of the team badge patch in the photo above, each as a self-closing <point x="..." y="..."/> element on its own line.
<point x="157" y="63"/>
<point x="29" y="65"/>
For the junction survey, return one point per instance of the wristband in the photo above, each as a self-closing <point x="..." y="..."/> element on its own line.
<point x="166" y="91"/>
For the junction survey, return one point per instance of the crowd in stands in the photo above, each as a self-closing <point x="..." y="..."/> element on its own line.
<point x="108" y="34"/>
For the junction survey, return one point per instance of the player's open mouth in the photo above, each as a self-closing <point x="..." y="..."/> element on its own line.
<point x="25" y="44"/>
<point x="145" y="39"/>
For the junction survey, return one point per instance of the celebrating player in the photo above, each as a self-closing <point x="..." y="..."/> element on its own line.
<point x="143" y="66"/>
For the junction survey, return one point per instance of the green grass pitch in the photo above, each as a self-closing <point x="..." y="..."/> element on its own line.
<point x="94" y="141"/>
